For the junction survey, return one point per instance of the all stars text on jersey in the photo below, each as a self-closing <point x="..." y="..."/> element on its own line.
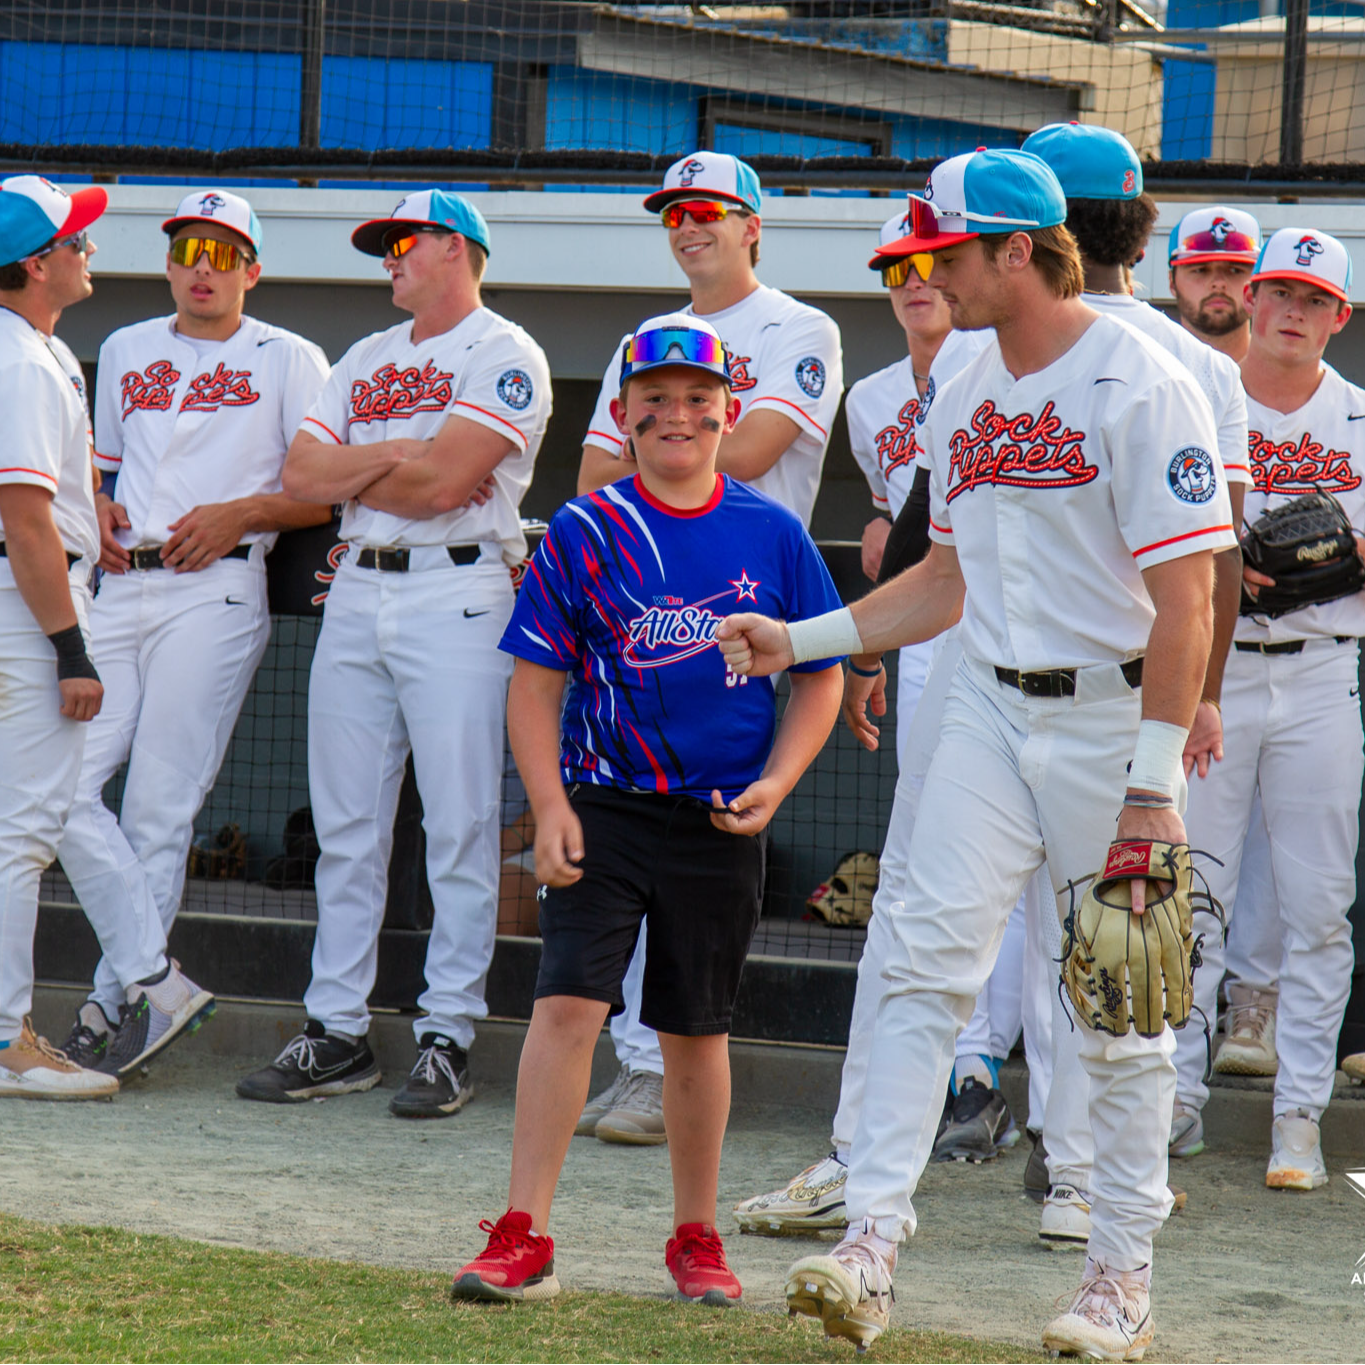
<point x="1022" y="451"/>
<point x="666" y="635"/>
<point x="1301" y="466"/>
<point x="391" y="393"/>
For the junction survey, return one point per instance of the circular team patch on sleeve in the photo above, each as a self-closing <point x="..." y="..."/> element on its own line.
<point x="514" y="388"/>
<point x="1190" y="475"/>
<point x="810" y="375"/>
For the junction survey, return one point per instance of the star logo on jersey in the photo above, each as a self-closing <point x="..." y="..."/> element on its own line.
<point x="224" y="388"/>
<point x="390" y="393"/>
<point x="1191" y="476"/>
<point x="896" y="443"/>
<point x="745" y="587"/>
<point x="740" y="378"/>
<point x="1022" y="451"/>
<point x="1301" y="466"/>
<point x="148" y="390"/>
<point x="1307" y="247"/>
<point x="810" y="375"/>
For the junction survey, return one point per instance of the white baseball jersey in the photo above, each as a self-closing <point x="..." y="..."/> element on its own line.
<point x="485" y="370"/>
<point x="1319" y="447"/>
<point x="784" y="356"/>
<point x="882" y="409"/>
<point x="1059" y="488"/>
<point x="1217" y="374"/>
<point x="47" y="436"/>
<point x="184" y="422"/>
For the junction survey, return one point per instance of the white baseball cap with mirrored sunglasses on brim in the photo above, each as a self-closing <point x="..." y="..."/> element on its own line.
<point x="34" y="211"/>
<point x="1309" y="256"/>
<point x="1214" y="234"/>
<point x="674" y="339"/>
<point x="981" y="193"/>
<point x="708" y="175"/>
<point x="896" y="268"/>
<point x="217" y="206"/>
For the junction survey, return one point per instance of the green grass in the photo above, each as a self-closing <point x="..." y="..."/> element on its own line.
<point x="97" y="1294"/>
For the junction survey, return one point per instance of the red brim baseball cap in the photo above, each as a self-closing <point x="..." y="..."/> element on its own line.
<point x="33" y="211"/>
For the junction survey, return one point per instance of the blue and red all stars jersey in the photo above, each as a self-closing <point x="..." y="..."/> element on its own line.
<point x="625" y="594"/>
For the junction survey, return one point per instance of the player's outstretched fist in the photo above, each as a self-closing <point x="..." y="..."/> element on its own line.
<point x="755" y="644"/>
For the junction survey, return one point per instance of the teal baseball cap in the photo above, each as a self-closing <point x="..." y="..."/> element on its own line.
<point x="424" y="208"/>
<point x="1091" y="162"/>
<point x="981" y="193"/>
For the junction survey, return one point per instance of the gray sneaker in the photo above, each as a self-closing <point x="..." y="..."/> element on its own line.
<point x="157" y="1013"/>
<point x="601" y="1104"/>
<point x="89" y="1039"/>
<point x="638" y="1118"/>
<point x="980" y="1126"/>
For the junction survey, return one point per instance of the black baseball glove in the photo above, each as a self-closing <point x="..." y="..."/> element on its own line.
<point x="1308" y="548"/>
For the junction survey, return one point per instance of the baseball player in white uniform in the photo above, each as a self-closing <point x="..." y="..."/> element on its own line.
<point x="413" y="422"/>
<point x="1291" y="714"/>
<point x="193" y="415"/>
<point x="1211" y="255"/>
<point x="1076" y="504"/>
<point x="49" y="543"/>
<point x="787" y="370"/>
<point x="1111" y="218"/>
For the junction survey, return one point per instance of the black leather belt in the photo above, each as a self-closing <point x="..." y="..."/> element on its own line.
<point x="1282" y="646"/>
<point x="396" y="561"/>
<point x="1060" y="682"/>
<point x="149" y="556"/>
<point x="71" y="560"/>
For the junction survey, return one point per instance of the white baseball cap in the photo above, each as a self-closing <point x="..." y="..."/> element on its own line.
<point x="33" y="211"/>
<point x="1303" y="254"/>
<point x="708" y="175"/>
<point x="1215" y="234"/>
<point x="217" y="206"/>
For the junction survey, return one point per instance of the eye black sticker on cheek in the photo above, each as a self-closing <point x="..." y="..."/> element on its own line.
<point x="709" y="424"/>
<point x="647" y="423"/>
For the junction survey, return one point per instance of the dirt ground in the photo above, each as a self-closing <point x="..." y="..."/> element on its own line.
<point x="1244" y="1274"/>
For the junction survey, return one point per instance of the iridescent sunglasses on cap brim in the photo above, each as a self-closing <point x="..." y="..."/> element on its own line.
<point x="898" y="271"/>
<point x="683" y="344"/>
<point x="1209" y="243"/>
<point x="222" y="255"/>
<point x="402" y="240"/>
<point x="699" y="210"/>
<point x="924" y="221"/>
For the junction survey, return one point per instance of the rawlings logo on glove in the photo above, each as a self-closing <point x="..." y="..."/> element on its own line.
<point x="1308" y="547"/>
<point x="1123" y="970"/>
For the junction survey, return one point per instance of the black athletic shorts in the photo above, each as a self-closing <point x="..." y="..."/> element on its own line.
<point x="698" y="890"/>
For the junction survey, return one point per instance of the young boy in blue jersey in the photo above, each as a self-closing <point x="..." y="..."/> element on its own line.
<point x="652" y="782"/>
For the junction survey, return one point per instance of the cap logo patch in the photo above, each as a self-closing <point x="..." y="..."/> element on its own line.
<point x="1129" y="183"/>
<point x="929" y="188"/>
<point x="1220" y="229"/>
<point x="209" y="204"/>
<point x="515" y="389"/>
<point x="56" y="189"/>
<point x="810" y="375"/>
<point x="1308" y="247"/>
<point x="689" y="171"/>
<point x="1190" y="475"/>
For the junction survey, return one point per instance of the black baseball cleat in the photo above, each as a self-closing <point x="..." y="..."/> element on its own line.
<point x="980" y="1126"/>
<point x="88" y="1042"/>
<point x="438" y="1085"/>
<point x="312" y="1064"/>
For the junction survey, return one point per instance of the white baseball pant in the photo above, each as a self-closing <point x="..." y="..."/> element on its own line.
<point x="1254" y="943"/>
<point x="1014" y="779"/>
<point x="408" y="662"/>
<point x="177" y="654"/>
<point x="42" y="758"/>
<point x="1292" y="731"/>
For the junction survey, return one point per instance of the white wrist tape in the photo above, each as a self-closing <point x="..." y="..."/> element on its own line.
<point x="1158" y="757"/>
<point x="830" y="636"/>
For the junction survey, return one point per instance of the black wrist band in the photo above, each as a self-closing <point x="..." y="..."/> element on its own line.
<point x="72" y="660"/>
<point x="864" y="672"/>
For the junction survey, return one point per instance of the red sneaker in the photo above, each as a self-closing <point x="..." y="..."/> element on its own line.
<point x="696" y="1259"/>
<point x="516" y="1264"/>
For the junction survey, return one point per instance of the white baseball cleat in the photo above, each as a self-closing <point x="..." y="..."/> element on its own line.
<point x="849" y="1290"/>
<point x="1065" y="1221"/>
<point x="810" y="1202"/>
<point x="1249" y="1048"/>
<point x="1187" y="1132"/>
<point x="1109" y="1317"/>
<point x="1295" y="1153"/>
<point x="32" y="1069"/>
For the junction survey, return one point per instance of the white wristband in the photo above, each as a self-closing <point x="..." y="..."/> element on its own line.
<point x="830" y="636"/>
<point x="1158" y="757"/>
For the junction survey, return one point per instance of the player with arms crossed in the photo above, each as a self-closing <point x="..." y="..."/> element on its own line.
<point x="1072" y="539"/>
<point x="49" y="543"/>
<point x="787" y="379"/>
<point x="193" y="415"/>
<point x="652" y="795"/>
<point x="413" y="423"/>
<point x="1290" y="709"/>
